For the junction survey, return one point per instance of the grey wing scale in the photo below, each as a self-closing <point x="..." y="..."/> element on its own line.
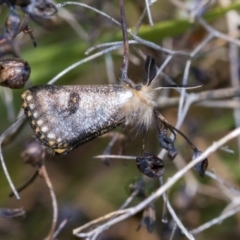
<point x="64" y="117"/>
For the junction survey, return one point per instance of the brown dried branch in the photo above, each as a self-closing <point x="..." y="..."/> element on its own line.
<point x="43" y="172"/>
<point x="125" y="41"/>
<point x="197" y="98"/>
<point x="10" y="213"/>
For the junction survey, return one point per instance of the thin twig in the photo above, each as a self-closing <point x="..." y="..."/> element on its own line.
<point x="139" y="23"/>
<point x="110" y="44"/>
<point x="207" y="39"/>
<point x="223" y="182"/>
<point x="116" y="157"/>
<point x="110" y="69"/>
<point x="138" y="39"/>
<point x="149" y="13"/>
<point x="101" y="219"/>
<point x="11" y="212"/>
<point x="43" y="172"/>
<point x="181" y="112"/>
<point x="201" y="97"/>
<point x="215" y="221"/>
<point x="174" y="215"/>
<point x="125" y="41"/>
<point x="2" y="137"/>
<point x="174" y="228"/>
<point x="216" y="33"/>
<point x="60" y="227"/>
<point x="87" y="59"/>
<point x="129" y="199"/>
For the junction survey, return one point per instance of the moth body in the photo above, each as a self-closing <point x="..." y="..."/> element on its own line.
<point x="64" y="117"/>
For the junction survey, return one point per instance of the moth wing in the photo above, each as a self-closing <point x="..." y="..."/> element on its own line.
<point x="64" y="117"/>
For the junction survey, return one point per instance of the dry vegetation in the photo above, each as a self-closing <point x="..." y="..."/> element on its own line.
<point x="106" y="197"/>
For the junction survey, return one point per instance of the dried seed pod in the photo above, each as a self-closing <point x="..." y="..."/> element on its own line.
<point x="40" y="9"/>
<point x="20" y="3"/>
<point x="150" y="165"/>
<point x="201" y="167"/>
<point x="12" y="24"/>
<point x="33" y="153"/>
<point x="172" y="153"/>
<point x="168" y="144"/>
<point x="164" y="141"/>
<point x="54" y="112"/>
<point x="14" y="73"/>
<point x="148" y="218"/>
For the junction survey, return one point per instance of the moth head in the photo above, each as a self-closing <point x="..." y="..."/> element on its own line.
<point x="138" y="111"/>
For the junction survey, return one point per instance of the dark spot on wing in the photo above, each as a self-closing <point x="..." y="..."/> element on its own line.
<point x="73" y="103"/>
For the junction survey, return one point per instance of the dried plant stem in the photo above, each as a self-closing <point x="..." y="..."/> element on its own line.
<point x="60" y="227"/>
<point x="174" y="215"/>
<point x="2" y="137"/>
<point x="197" y="98"/>
<point x="125" y="41"/>
<point x="215" y="221"/>
<point x="43" y="172"/>
<point x="31" y="180"/>
<point x="120" y="216"/>
<point x="149" y="13"/>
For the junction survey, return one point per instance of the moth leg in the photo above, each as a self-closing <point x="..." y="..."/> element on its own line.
<point x="25" y="185"/>
<point x="34" y="154"/>
<point x="143" y="142"/>
<point x="115" y="137"/>
<point x="125" y="139"/>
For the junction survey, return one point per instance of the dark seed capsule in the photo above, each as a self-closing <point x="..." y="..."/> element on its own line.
<point x="40" y="9"/>
<point x="14" y="73"/>
<point x="20" y="3"/>
<point x="168" y="144"/>
<point x="165" y="142"/>
<point x="33" y="153"/>
<point x="149" y="218"/>
<point x="201" y="167"/>
<point x="172" y="153"/>
<point x="150" y="165"/>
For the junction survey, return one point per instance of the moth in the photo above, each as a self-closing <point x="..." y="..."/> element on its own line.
<point x="65" y="117"/>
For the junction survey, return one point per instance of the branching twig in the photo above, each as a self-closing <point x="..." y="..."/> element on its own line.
<point x="133" y="210"/>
